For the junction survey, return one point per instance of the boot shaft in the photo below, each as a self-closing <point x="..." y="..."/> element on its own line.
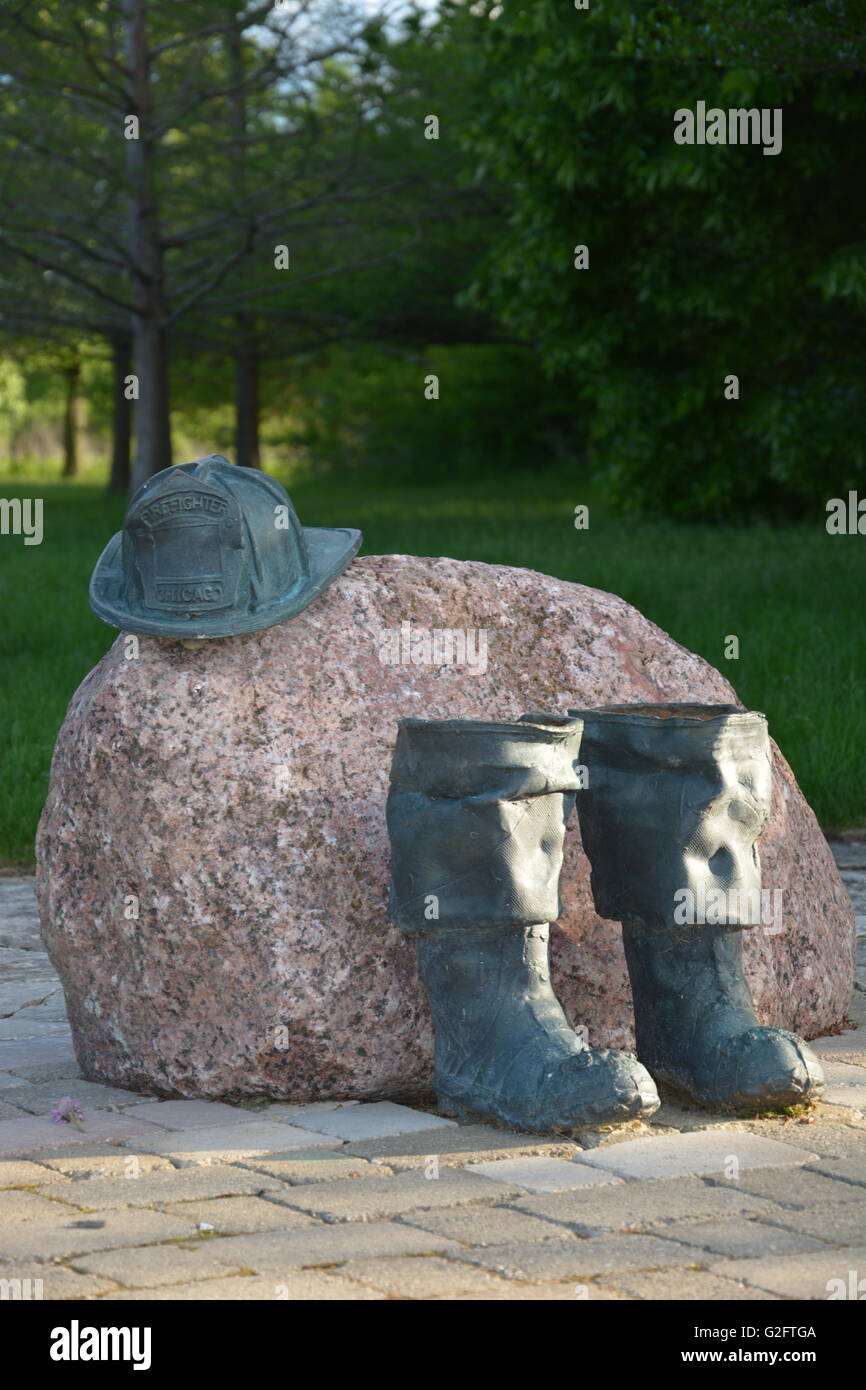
<point x="465" y="971"/>
<point x="476" y="816"/>
<point x="676" y="798"/>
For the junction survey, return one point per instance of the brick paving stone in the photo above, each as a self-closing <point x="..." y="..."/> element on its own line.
<point x="483" y="1225"/>
<point x="231" y="1216"/>
<point x="20" y="1137"/>
<point x="845" y="1047"/>
<point x="837" y="1223"/>
<point x="193" y="1114"/>
<point x="17" y="966"/>
<point x="327" y="1245"/>
<point x="705" y="1151"/>
<point x="512" y="1291"/>
<point x="102" y="1161"/>
<point x="420" y="1276"/>
<point x="797" y="1187"/>
<point x="147" y="1265"/>
<point x="836" y="1137"/>
<point x="853" y="1096"/>
<point x="30" y="1030"/>
<point x="741" y="1238"/>
<point x="48" y="1071"/>
<point x="290" y="1110"/>
<point x="20" y="1172"/>
<point x="367" y="1199"/>
<point x="28" y="1051"/>
<point x="845" y="1169"/>
<point x="685" y="1285"/>
<point x="58" y="1282"/>
<point x="563" y="1259"/>
<point x="41" y="1097"/>
<point x="844" y="1074"/>
<point x="308" y="1166"/>
<point x="228" y="1143"/>
<point x="73" y="1233"/>
<point x="16" y="963"/>
<point x="461" y="1145"/>
<point x="192" y="1184"/>
<point x="12" y="1112"/>
<point x="44" y="1013"/>
<point x="639" y="1206"/>
<point x="18" y="1205"/>
<point x="311" y="1286"/>
<point x="544" y="1174"/>
<point x="27" y="997"/>
<point x="48" y="1008"/>
<point x="802" y="1276"/>
<point x="18" y="909"/>
<point x="375" y="1121"/>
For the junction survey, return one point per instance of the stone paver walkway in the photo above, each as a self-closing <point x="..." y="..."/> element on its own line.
<point x="205" y="1201"/>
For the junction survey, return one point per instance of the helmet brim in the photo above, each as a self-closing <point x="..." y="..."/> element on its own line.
<point x="330" y="550"/>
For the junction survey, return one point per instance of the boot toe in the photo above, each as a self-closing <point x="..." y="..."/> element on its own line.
<point x="767" y="1068"/>
<point x="599" y="1086"/>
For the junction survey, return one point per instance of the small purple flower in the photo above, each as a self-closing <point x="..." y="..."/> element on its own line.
<point x="69" y="1112"/>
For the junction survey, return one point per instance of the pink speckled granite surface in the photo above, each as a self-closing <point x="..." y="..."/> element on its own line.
<point x="238" y="792"/>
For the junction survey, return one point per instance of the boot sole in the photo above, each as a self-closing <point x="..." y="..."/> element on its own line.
<point x="771" y="1099"/>
<point x="459" y="1110"/>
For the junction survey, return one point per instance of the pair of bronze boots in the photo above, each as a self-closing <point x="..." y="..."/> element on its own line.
<point x="671" y="801"/>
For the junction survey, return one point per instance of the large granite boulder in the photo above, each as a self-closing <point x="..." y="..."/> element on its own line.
<point x="213" y="860"/>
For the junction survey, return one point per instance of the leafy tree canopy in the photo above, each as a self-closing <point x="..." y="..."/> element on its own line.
<point x="705" y="261"/>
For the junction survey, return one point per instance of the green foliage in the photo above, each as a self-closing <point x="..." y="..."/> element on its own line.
<point x="361" y="408"/>
<point x="800" y="35"/>
<point x="13" y="400"/>
<point x="705" y="260"/>
<point x="33" y="394"/>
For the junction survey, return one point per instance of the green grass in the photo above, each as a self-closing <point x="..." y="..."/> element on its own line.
<point x="792" y="595"/>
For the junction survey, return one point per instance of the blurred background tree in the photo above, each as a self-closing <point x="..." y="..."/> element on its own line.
<point x="307" y="124"/>
<point x="704" y="261"/>
<point x="185" y="145"/>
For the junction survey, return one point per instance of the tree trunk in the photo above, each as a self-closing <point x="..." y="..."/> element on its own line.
<point x="73" y="419"/>
<point x="152" y="420"/>
<point x="150" y="356"/>
<point x="246" y="350"/>
<point x="246" y="398"/>
<point x="121" y="417"/>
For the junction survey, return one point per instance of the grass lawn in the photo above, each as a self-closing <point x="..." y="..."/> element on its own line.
<point x="792" y="595"/>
